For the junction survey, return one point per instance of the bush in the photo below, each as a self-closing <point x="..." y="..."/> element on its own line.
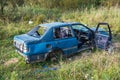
<point x="39" y="19"/>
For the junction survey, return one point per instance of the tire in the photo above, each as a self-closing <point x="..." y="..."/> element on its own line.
<point x="56" y="55"/>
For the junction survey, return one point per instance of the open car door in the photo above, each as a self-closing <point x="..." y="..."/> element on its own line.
<point x="103" y="36"/>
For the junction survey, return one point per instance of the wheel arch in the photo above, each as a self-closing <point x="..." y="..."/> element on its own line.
<point x="53" y="49"/>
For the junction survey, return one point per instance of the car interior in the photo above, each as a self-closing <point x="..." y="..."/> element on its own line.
<point x="82" y="34"/>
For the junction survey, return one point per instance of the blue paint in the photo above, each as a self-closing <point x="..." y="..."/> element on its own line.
<point x="36" y="46"/>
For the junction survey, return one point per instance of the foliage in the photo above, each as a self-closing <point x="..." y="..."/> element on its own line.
<point x="9" y="4"/>
<point x="72" y="4"/>
<point x="93" y="16"/>
<point x="12" y="7"/>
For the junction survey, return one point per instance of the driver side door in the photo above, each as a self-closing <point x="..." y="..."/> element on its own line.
<point x="102" y="35"/>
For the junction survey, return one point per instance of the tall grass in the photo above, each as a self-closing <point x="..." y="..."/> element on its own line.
<point x="93" y="16"/>
<point x="98" y="66"/>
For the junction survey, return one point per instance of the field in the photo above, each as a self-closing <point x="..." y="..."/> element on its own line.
<point x="96" y="66"/>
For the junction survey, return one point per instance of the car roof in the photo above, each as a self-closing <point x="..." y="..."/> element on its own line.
<point x="57" y="24"/>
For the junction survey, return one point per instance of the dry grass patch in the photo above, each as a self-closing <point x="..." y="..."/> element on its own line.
<point x="11" y="61"/>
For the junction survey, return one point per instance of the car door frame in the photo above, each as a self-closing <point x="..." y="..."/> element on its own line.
<point x="100" y="37"/>
<point x="92" y="35"/>
<point x="62" y="42"/>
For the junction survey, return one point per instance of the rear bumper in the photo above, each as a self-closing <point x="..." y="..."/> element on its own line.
<point x="32" y="58"/>
<point x="25" y="56"/>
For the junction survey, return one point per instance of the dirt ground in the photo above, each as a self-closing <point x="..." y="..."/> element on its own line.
<point x="11" y="61"/>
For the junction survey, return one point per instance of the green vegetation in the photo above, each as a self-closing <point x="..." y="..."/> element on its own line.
<point x="14" y="21"/>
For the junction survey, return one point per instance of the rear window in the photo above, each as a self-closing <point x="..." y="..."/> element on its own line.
<point x="42" y="30"/>
<point x="37" y="31"/>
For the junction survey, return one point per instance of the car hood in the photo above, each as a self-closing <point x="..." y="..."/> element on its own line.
<point x="25" y="38"/>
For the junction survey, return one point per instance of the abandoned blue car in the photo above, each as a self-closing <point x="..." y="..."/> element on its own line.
<point x="52" y="40"/>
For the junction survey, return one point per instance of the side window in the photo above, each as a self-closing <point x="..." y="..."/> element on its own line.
<point x="62" y="32"/>
<point x="103" y="30"/>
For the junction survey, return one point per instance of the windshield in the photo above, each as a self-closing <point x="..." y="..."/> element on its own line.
<point x="37" y="31"/>
<point x="80" y="27"/>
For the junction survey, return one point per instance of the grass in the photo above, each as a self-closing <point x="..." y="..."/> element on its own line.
<point x="96" y="66"/>
<point x="93" y="16"/>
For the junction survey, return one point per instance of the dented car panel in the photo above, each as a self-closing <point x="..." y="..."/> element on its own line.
<point x="69" y="38"/>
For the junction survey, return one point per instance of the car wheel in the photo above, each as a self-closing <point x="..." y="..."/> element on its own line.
<point x="56" y="55"/>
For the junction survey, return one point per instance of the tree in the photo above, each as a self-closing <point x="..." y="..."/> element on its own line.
<point x="2" y="5"/>
<point x="14" y="4"/>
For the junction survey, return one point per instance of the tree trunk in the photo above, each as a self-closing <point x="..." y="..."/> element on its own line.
<point x="2" y="10"/>
<point x="2" y="7"/>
